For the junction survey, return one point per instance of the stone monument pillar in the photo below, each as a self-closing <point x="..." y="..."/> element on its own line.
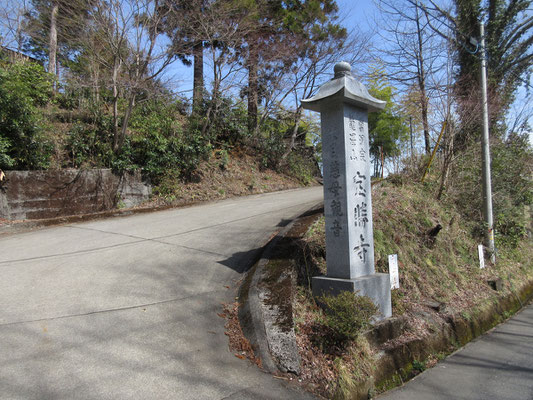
<point x="343" y="104"/>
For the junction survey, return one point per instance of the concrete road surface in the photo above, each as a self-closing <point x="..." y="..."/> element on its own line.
<point x="126" y="308"/>
<point x="498" y="365"/>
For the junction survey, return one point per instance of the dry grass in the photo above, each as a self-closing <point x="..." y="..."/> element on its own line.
<point x="328" y="368"/>
<point x="218" y="178"/>
<point x="445" y="270"/>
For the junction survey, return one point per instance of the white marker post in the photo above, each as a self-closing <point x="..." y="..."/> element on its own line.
<point x="481" y="255"/>
<point x="393" y="272"/>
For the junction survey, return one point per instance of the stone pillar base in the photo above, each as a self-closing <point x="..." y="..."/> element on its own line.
<point x="375" y="286"/>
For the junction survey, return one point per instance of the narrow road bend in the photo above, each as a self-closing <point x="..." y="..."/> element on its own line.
<point x="126" y="308"/>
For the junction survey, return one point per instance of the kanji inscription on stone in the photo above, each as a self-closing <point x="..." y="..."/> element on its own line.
<point x="343" y="104"/>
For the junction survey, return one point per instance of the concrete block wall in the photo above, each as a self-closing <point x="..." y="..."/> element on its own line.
<point x="56" y="193"/>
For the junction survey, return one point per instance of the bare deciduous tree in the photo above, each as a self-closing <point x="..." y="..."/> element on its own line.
<point x="130" y="31"/>
<point x="12" y="14"/>
<point x="413" y="54"/>
<point x="310" y="72"/>
<point x="509" y="40"/>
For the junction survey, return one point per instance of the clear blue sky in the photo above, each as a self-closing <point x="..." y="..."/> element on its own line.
<point x="356" y="12"/>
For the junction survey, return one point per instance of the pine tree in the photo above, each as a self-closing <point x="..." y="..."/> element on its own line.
<point x="182" y="22"/>
<point x="277" y="33"/>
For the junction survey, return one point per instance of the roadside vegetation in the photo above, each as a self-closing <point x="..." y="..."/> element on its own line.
<point x="440" y="276"/>
<point x="43" y="130"/>
<point x="92" y="83"/>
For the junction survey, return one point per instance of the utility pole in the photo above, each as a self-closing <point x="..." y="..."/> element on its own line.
<point x="487" y="188"/>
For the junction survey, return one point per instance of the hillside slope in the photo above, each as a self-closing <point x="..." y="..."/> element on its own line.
<point x="444" y="299"/>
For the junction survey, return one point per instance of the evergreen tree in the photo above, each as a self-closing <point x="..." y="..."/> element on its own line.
<point x="183" y="23"/>
<point x="386" y="128"/>
<point x="276" y="34"/>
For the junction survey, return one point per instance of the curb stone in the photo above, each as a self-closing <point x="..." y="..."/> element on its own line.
<point x="275" y="345"/>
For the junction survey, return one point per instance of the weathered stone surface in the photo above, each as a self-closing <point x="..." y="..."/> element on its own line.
<point x="375" y="286"/>
<point x="56" y="193"/>
<point x="266" y="298"/>
<point x="343" y="88"/>
<point x="343" y="104"/>
<point x="435" y="305"/>
<point x="281" y="339"/>
<point x="386" y="330"/>
<point x="347" y="192"/>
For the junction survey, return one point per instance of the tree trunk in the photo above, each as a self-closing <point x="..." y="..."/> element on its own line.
<point x="96" y="82"/>
<point x="19" y="35"/>
<point x="292" y="144"/>
<point x="198" y="75"/>
<point x="52" y="49"/>
<point x="253" y="88"/>
<point x="116" y="133"/>
<point x="422" y="84"/>
<point x="425" y="122"/>
<point x="448" y="156"/>
<point x="125" y="122"/>
<point x="214" y="103"/>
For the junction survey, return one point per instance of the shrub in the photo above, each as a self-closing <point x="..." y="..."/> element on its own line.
<point x="512" y="187"/>
<point x="159" y="142"/>
<point x="512" y="167"/>
<point x="28" y="80"/>
<point x="5" y="159"/>
<point x="272" y="149"/>
<point x="302" y="166"/>
<point x="23" y="144"/>
<point x="229" y="123"/>
<point x="348" y="314"/>
<point x="68" y="100"/>
<point x="90" y="144"/>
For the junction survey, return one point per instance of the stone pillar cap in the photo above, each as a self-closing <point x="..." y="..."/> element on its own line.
<point x="342" y="69"/>
<point x="343" y="88"/>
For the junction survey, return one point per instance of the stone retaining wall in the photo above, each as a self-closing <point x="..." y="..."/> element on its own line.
<point x="57" y="193"/>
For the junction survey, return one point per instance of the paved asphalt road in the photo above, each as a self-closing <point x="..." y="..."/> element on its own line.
<point x="498" y="365"/>
<point x="126" y="308"/>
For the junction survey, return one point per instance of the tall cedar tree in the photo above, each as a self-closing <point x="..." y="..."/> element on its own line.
<point x="276" y="33"/>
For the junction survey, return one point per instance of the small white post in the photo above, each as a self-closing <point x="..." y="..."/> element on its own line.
<point x="481" y="255"/>
<point x="393" y="272"/>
